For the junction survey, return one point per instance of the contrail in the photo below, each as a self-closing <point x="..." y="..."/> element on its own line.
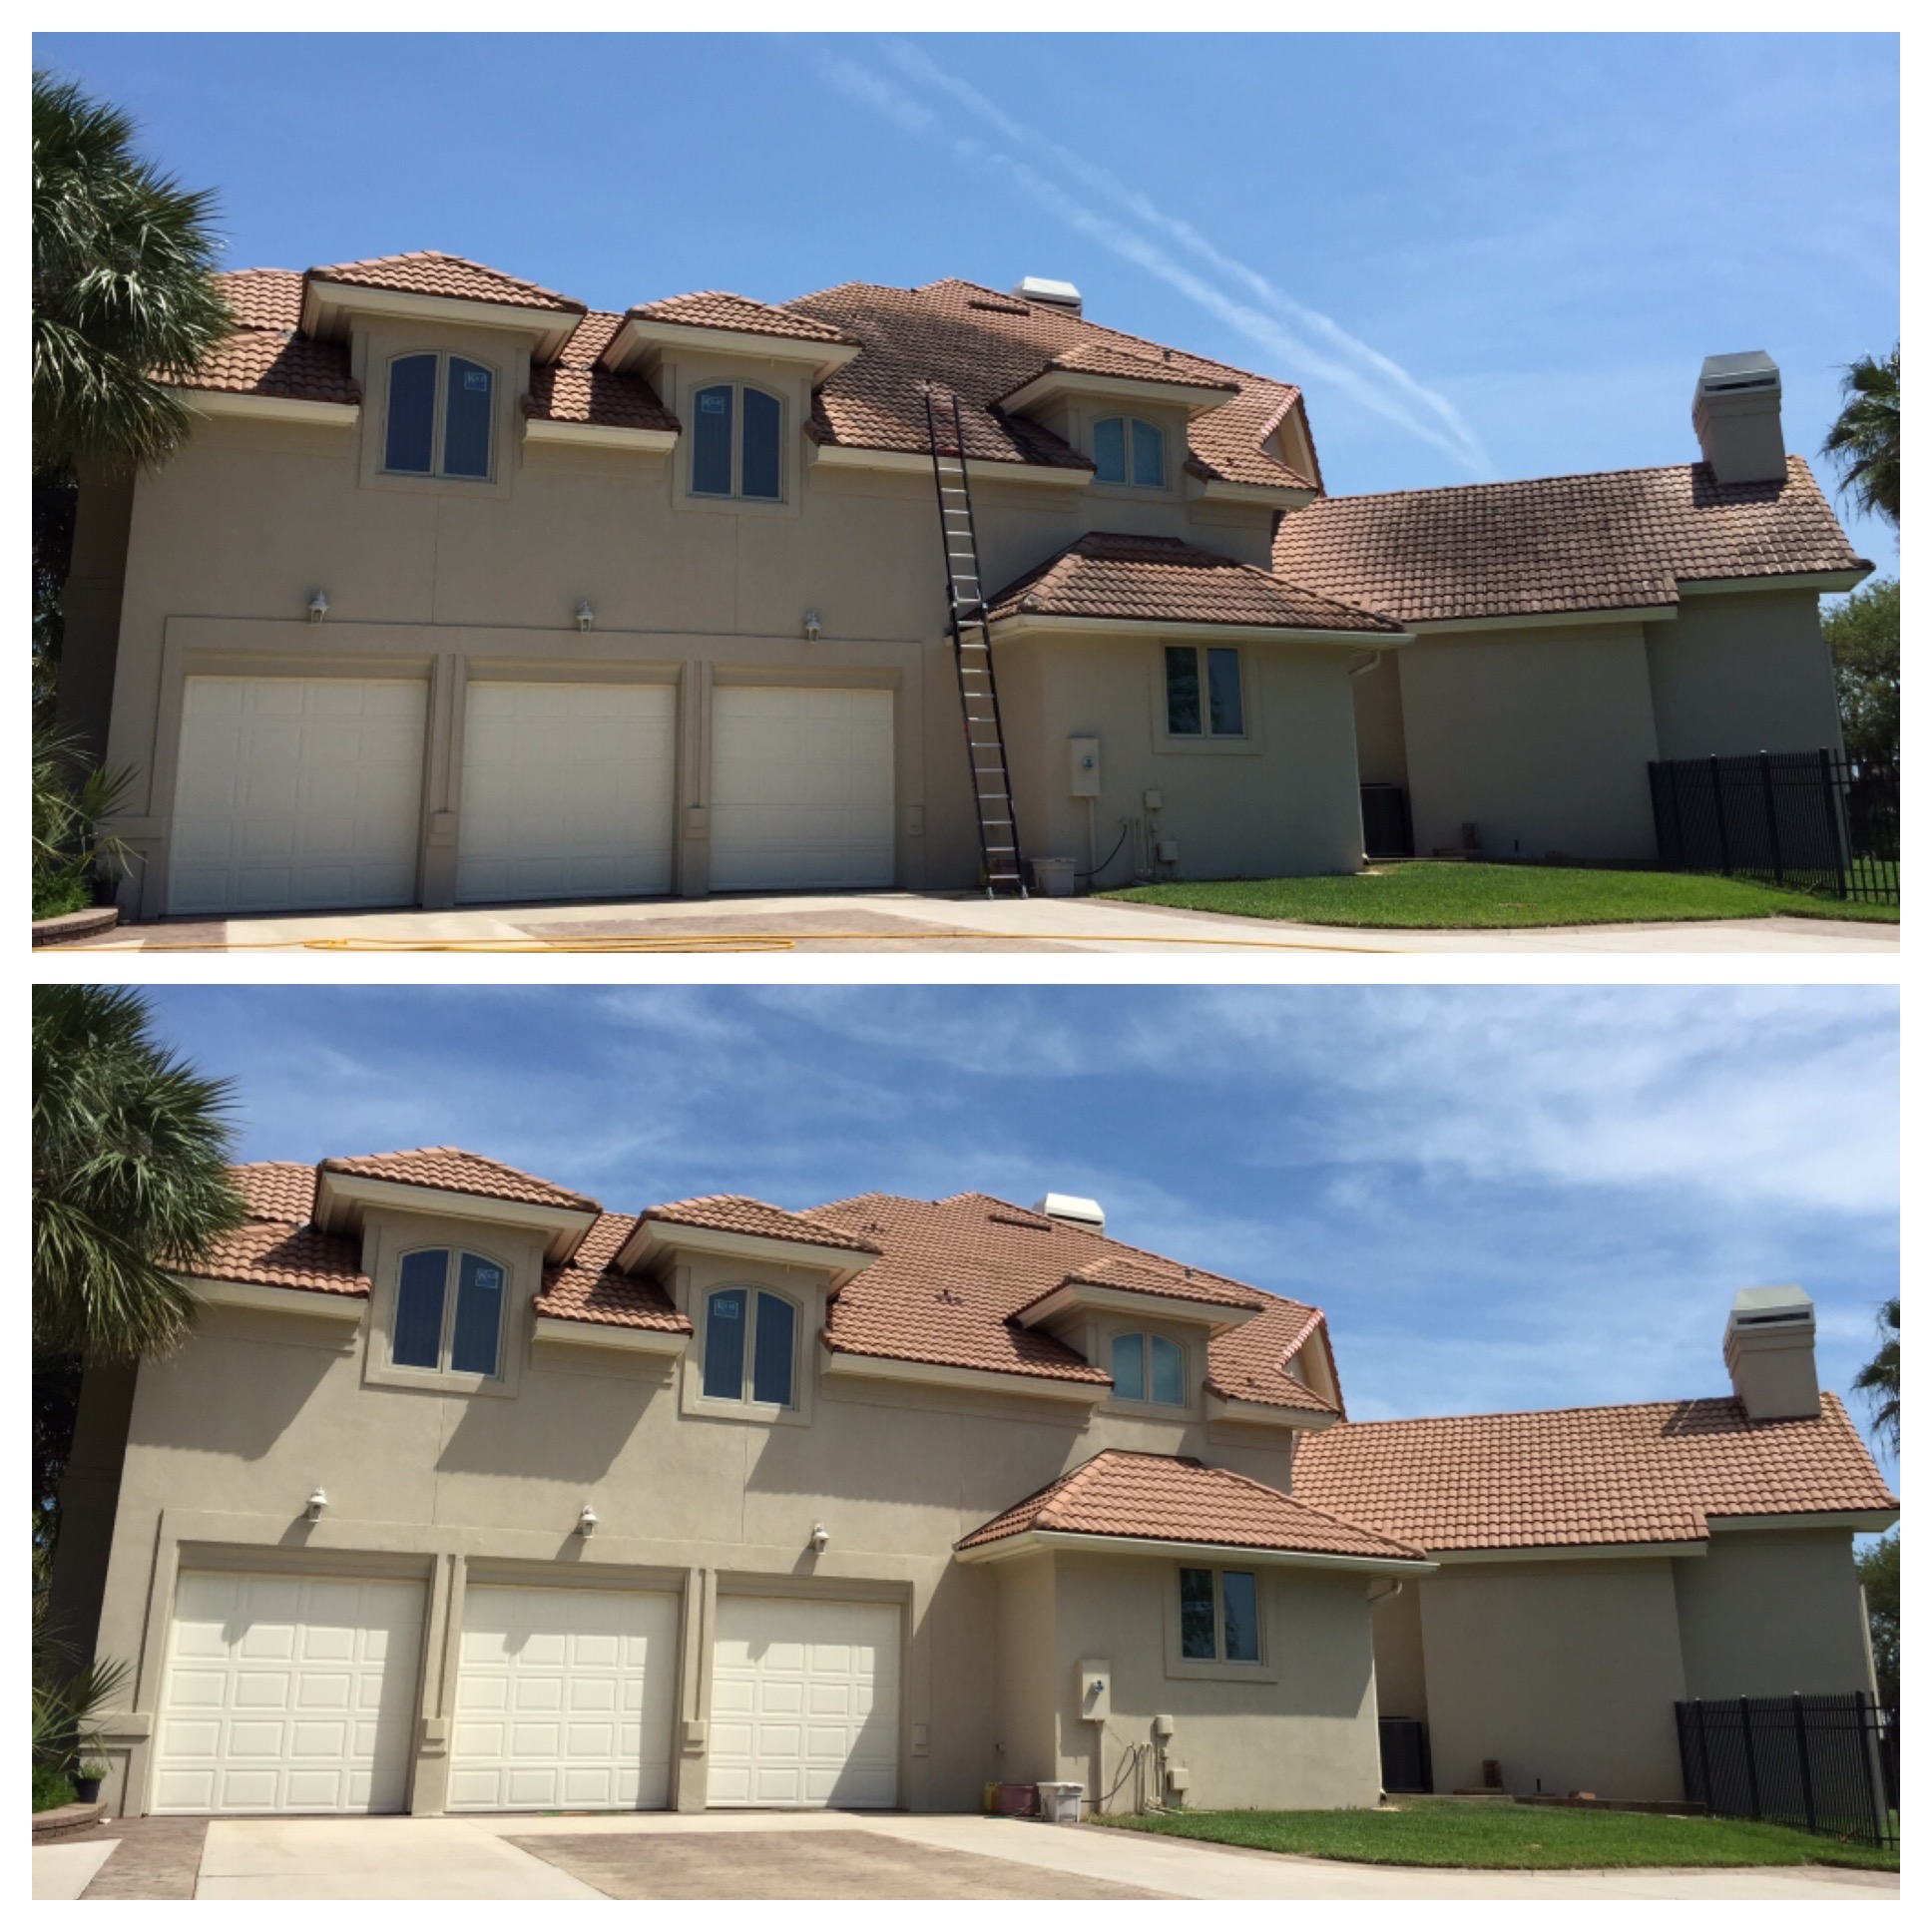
<point x="1271" y="318"/>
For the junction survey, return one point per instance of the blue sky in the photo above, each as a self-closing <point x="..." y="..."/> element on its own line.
<point x="1504" y="1197"/>
<point x="1481" y="255"/>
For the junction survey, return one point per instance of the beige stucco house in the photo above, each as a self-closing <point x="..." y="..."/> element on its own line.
<point x="465" y="1494"/>
<point x="463" y="591"/>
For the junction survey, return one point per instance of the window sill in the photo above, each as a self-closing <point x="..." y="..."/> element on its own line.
<point x="1167" y="745"/>
<point x="1201" y="1670"/>
<point x="436" y="1381"/>
<point x="768" y="1413"/>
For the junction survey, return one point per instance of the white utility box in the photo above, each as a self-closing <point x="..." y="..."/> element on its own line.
<point x="1096" y="1689"/>
<point x="1060" y="1803"/>
<point x="1053" y="878"/>
<point x="1083" y="767"/>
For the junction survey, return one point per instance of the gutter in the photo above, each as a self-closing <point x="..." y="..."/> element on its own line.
<point x="1025" y="1542"/>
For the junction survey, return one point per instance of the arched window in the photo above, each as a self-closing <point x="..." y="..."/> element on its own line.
<point x="449" y="1313"/>
<point x="1128" y="450"/>
<point x="441" y="411"/>
<point x="751" y="1345"/>
<point x="1151" y="1369"/>
<point x="735" y="449"/>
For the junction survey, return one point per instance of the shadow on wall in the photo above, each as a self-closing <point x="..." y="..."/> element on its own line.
<point x="560" y="1431"/>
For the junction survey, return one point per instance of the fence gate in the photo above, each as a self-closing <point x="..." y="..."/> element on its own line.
<point x="1817" y="1763"/>
<point x="1814" y="821"/>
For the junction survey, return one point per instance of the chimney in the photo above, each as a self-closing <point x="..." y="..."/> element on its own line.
<point x="1770" y="1348"/>
<point x="1074" y="1210"/>
<point x="1054" y="294"/>
<point x="1737" y="416"/>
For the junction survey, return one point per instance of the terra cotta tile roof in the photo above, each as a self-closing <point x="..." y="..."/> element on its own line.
<point x="276" y="1246"/>
<point x="428" y="272"/>
<point x="263" y="298"/>
<point x="458" y="1173"/>
<point x="712" y="308"/>
<point x="1175" y="1499"/>
<point x="1187" y="1284"/>
<point x="1649" y="1472"/>
<point x="1138" y="363"/>
<point x="588" y="1288"/>
<point x="1613" y="540"/>
<point x="1165" y="581"/>
<point x="739" y="1215"/>
<point x="277" y="1190"/>
<point x="575" y="389"/>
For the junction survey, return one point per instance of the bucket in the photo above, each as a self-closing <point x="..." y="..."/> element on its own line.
<point x="1053" y="878"/>
<point x="1060" y="1803"/>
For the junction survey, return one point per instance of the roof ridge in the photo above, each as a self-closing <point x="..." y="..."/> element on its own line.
<point x="1573" y="1408"/>
<point x="1526" y="482"/>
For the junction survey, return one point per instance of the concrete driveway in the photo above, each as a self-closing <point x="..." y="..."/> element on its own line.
<point x="819" y="1854"/>
<point x="909" y="922"/>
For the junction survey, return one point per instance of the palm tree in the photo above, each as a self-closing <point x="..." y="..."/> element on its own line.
<point x="1878" y="1380"/>
<point x="1863" y="443"/>
<point x="130" y="1155"/>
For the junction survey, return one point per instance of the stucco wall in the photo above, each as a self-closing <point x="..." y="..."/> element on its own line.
<point x="1382" y="753"/>
<point x="1401" y="1681"/>
<point x="91" y="605"/>
<point x="1565" y="1673"/>
<point x="1743" y="672"/>
<point x="228" y="1437"/>
<point x="1767" y="1613"/>
<point x="1300" y="1733"/>
<point x="1539" y="738"/>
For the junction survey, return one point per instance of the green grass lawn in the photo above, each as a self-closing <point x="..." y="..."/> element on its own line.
<point x="1491" y="1836"/>
<point x="1421" y="893"/>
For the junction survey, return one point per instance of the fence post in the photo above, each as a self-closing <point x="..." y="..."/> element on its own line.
<point x="1804" y="1762"/>
<point x="1751" y="1758"/>
<point x="1704" y="1758"/>
<point x="1717" y="807"/>
<point x="1882" y="1808"/>
<point x="1828" y="788"/>
<point x="1770" y="814"/>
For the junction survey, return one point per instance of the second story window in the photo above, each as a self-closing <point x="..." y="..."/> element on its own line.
<point x="749" y="1344"/>
<point x="735" y="449"/>
<point x="1128" y="450"/>
<point x="441" y="409"/>
<point x="1204" y="690"/>
<point x="449" y="1313"/>
<point x="1151" y="1369"/>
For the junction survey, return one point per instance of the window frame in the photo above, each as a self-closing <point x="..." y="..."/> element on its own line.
<point x="1129" y="479"/>
<point x="746" y="1402"/>
<point x="1204" y="686"/>
<point x="1146" y="1401"/>
<point x="443" y="1374"/>
<point x="438" y="472"/>
<point x="739" y="389"/>
<point x="1258" y="1669"/>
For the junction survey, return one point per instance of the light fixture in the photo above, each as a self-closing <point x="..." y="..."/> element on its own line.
<point x="587" y="1521"/>
<point x="318" y="607"/>
<point x="317" y="1502"/>
<point x="812" y="627"/>
<point x="820" y="1536"/>
<point x="585" y="615"/>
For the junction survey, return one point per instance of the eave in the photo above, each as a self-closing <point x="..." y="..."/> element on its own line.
<point x="902" y="462"/>
<point x="1276" y="1415"/>
<point x="1072" y="1297"/>
<point x="644" y="340"/>
<point x="330" y="308"/>
<point x="1024" y="1542"/>
<point x="651" y="1241"/>
<point x="1863" y="1522"/>
<point x="1281" y="496"/>
<point x="260" y="408"/>
<point x="985" y="1381"/>
<point x="315" y="1305"/>
<point x="1036" y="623"/>
<point x="1796" y="579"/>
<point x="342" y="1199"/>
<point x="1576" y="1552"/>
<point x="611" y="1336"/>
<point x="1429" y="626"/>
<point x="1051" y="384"/>
<point x="576" y="435"/>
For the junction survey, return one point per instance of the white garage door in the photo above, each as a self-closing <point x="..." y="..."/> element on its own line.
<point x="288" y="1694"/>
<point x="801" y="788"/>
<point x="804" y="1704"/>
<point x="567" y="792"/>
<point x="564" y="1700"/>
<point x="298" y="792"/>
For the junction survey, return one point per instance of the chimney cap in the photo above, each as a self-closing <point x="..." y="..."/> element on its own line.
<point x="1075" y="1210"/>
<point x="1757" y="1308"/>
<point x="1745" y="369"/>
<point x="1043" y="289"/>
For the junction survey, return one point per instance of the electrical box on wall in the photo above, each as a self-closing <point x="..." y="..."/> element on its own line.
<point x="1083" y="767"/>
<point x="1096" y="1689"/>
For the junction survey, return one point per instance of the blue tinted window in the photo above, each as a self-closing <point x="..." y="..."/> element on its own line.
<point x="1164" y="1379"/>
<point x="417" y="1341"/>
<point x="479" y="1317"/>
<point x="1225" y="692"/>
<point x="1198" y="1613"/>
<point x="1183" y="691"/>
<point x="1129" y="1371"/>
<point x="724" y="1346"/>
<point x="1240" y="1624"/>
<point x="710" y="443"/>
<point x="466" y="419"/>
<point x="771" y="1359"/>
<point x="1110" y="450"/>
<point x="412" y="414"/>
<point x="759" y="475"/>
<point x="1150" y="464"/>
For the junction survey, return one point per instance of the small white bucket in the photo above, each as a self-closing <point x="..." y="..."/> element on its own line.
<point x="1060" y="1803"/>
<point x="1053" y="878"/>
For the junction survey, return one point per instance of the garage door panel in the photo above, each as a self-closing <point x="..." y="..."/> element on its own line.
<point x="803" y="787"/>
<point x="568" y="790"/>
<point x="298" y="792"/>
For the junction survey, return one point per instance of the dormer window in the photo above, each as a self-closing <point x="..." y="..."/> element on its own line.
<point x="441" y="408"/>
<point x="1150" y="1369"/>
<point x="736" y="446"/>
<point x="751" y="1342"/>
<point x="449" y="1313"/>
<point x="1128" y="450"/>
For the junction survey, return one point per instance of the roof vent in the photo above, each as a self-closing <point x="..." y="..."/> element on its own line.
<point x="1737" y="416"/>
<point x="1074" y="1210"/>
<point x="1770" y="1348"/>
<point x="1054" y="294"/>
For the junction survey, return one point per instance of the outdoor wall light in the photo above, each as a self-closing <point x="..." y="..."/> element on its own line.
<point x="587" y="1521"/>
<point x="585" y="616"/>
<point x="318" y="607"/>
<point x="812" y="627"/>
<point x="317" y="1502"/>
<point x="820" y="1536"/>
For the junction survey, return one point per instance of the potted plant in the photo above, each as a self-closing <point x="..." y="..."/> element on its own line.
<point x="87" y="1781"/>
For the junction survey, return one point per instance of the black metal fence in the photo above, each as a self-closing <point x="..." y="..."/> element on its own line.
<point x="1812" y="821"/>
<point x="1386" y="832"/>
<point x="1405" y="1755"/>
<point x="1817" y="1763"/>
